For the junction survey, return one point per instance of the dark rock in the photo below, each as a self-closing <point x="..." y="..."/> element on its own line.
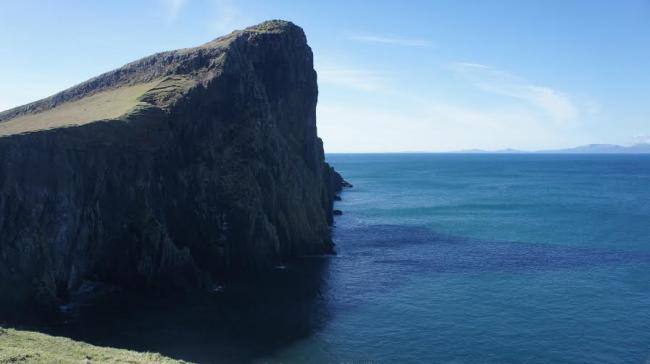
<point x="337" y="212"/>
<point x="337" y="181"/>
<point x="218" y="169"/>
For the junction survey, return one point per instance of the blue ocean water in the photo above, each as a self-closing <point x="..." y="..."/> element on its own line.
<point x="442" y="258"/>
<point x="489" y="259"/>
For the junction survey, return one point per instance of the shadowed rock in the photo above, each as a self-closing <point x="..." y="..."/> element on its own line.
<point x="169" y="172"/>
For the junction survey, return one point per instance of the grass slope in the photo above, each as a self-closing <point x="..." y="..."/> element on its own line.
<point x="32" y="347"/>
<point x="100" y="106"/>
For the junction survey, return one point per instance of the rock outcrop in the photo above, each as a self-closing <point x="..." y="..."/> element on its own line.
<point x="169" y="172"/>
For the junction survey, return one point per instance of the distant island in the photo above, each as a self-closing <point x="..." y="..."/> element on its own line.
<point x="641" y="148"/>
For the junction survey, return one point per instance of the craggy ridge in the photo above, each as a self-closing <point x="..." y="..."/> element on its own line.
<point x="211" y="166"/>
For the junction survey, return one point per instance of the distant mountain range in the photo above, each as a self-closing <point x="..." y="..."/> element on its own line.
<point x="605" y="148"/>
<point x="583" y="149"/>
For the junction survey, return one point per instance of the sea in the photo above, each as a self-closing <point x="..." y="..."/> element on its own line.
<point x="441" y="258"/>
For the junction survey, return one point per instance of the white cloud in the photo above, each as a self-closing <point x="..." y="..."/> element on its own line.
<point x="174" y="8"/>
<point x="390" y="120"/>
<point x="429" y="125"/>
<point x="409" y="42"/>
<point x="357" y="79"/>
<point x="228" y="17"/>
<point x="6" y="106"/>
<point x="641" y="138"/>
<point x="592" y="106"/>
<point x="556" y="104"/>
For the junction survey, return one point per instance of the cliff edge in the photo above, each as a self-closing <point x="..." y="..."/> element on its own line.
<point x="169" y="172"/>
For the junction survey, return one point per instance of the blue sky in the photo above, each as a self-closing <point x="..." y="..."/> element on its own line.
<point x="393" y="75"/>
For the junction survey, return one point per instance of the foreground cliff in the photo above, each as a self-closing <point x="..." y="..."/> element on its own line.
<point x="169" y="172"/>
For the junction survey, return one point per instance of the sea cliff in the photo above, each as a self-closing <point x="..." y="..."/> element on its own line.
<point x="168" y="173"/>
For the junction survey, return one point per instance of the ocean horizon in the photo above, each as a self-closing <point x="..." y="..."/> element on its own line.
<point x="240" y="181"/>
<point x="440" y="258"/>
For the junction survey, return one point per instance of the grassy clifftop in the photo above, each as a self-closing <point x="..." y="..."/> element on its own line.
<point x="32" y="347"/>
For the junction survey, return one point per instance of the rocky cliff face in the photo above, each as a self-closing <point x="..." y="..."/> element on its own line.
<point x="214" y="167"/>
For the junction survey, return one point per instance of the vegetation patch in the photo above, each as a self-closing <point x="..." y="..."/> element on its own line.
<point x="103" y="105"/>
<point x="32" y="347"/>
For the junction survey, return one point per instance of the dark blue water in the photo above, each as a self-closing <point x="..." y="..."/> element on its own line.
<point x="442" y="258"/>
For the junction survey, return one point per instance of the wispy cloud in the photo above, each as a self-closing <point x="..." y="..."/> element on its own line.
<point x="641" y="138"/>
<point x="357" y="79"/>
<point x="592" y="106"/>
<point x="400" y="41"/>
<point x="557" y="105"/>
<point x="429" y="125"/>
<point x="228" y="17"/>
<point x="173" y="8"/>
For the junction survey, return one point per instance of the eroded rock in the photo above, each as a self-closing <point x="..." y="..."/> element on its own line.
<point x="215" y="167"/>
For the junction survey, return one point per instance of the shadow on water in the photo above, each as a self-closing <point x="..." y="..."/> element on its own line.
<point x="238" y="322"/>
<point x="375" y="260"/>
<point x="257" y="318"/>
<point x="427" y="251"/>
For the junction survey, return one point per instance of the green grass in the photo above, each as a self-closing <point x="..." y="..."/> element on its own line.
<point x="100" y="106"/>
<point x="104" y="105"/>
<point x="32" y="347"/>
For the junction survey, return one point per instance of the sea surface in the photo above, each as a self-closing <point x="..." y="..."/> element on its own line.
<point x="442" y="258"/>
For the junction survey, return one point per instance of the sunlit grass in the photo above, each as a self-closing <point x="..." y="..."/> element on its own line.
<point x="32" y="347"/>
<point x="108" y="104"/>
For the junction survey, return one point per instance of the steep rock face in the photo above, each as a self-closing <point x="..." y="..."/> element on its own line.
<point x="215" y="167"/>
